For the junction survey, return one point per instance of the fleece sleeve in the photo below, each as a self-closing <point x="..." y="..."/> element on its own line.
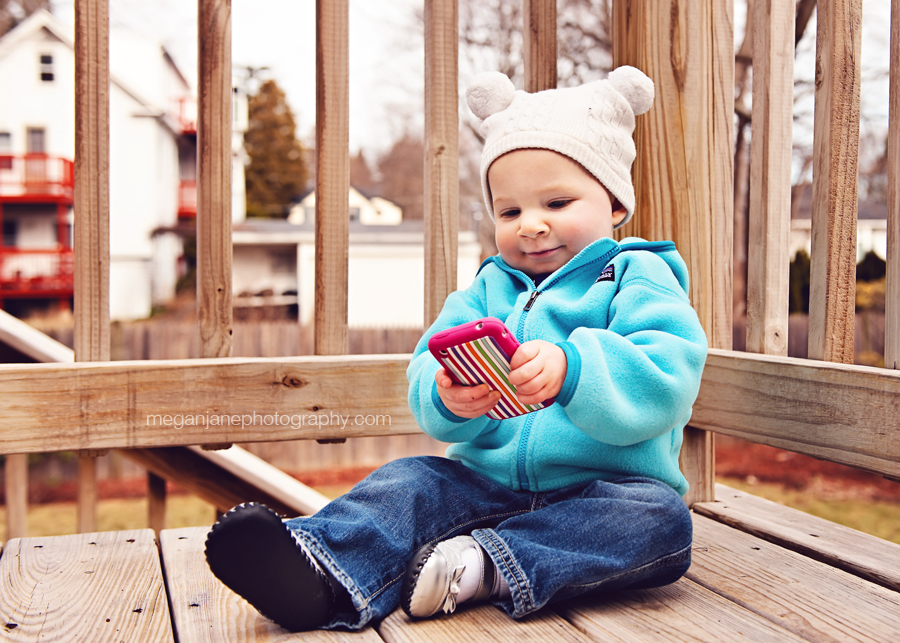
<point x="638" y="378"/>
<point x="430" y="413"/>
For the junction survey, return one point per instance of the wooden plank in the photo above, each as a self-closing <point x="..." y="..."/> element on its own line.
<point x="838" y="412"/>
<point x="485" y="622"/>
<point x="770" y="177"/>
<point x="539" y="44"/>
<point x="142" y="404"/>
<point x="255" y="471"/>
<point x="214" y="315"/>
<point x="806" y="597"/>
<point x="843" y="413"/>
<point x="156" y="502"/>
<point x="832" y="290"/>
<point x="892" y="294"/>
<point x="28" y="340"/>
<point x="683" y="172"/>
<point x="91" y="226"/>
<point x="87" y="587"/>
<point x="86" y="498"/>
<point x="204" y="610"/>
<point x="683" y="612"/>
<point x="332" y="175"/>
<point x="207" y="480"/>
<point x="860" y="554"/>
<point x="441" y="153"/>
<point x="91" y="231"/>
<point x="15" y="473"/>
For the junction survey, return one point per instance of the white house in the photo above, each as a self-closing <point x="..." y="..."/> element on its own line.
<point x="871" y="226"/>
<point x="386" y="268"/>
<point x="152" y="158"/>
<point x="367" y="210"/>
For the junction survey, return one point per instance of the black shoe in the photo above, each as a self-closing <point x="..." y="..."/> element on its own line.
<point x="254" y="553"/>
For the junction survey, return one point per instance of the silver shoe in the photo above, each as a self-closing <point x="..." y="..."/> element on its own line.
<point x="431" y="583"/>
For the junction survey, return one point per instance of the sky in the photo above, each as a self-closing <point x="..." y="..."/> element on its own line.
<point x="386" y="55"/>
<point x="386" y="58"/>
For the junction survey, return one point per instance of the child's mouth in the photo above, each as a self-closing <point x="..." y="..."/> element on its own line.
<point x="540" y="254"/>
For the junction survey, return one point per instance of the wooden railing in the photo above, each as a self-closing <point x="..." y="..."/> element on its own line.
<point x="683" y="179"/>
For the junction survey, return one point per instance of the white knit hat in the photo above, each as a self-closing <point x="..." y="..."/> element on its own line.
<point x="591" y="124"/>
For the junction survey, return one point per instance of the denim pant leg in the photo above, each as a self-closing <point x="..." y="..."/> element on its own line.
<point x="367" y="537"/>
<point x="603" y="536"/>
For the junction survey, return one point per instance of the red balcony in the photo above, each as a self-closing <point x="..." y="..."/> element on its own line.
<point x="35" y="178"/>
<point x="187" y="115"/>
<point x="36" y="273"/>
<point x="187" y="199"/>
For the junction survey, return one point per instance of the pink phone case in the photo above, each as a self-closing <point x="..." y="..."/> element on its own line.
<point x="479" y="353"/>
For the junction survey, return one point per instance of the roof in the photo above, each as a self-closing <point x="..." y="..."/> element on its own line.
<point x="279" y="231"/>
<point x="869" y="210"/>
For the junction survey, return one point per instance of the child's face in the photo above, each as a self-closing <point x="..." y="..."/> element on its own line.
<point x="547" y="209"/>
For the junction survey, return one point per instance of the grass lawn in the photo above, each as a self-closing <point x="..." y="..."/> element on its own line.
<point x="58" y="518"/>
<point x="877" y="517"/>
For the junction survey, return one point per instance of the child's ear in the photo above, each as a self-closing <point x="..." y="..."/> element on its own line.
<point x="618" y="212"/>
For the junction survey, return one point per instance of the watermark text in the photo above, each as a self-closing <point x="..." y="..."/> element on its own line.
<point x="294" y="421"/>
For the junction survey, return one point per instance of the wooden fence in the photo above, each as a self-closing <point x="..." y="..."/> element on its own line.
<point x="683" y="174"/>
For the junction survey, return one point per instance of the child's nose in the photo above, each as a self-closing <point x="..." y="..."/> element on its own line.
<point x="532" y="224"/>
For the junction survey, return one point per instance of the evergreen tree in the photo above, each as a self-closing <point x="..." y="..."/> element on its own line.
<point x="277" y="174"/>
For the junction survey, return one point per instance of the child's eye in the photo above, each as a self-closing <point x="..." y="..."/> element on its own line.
<point x="509" y="214"/>
<point x="559" y="204"/>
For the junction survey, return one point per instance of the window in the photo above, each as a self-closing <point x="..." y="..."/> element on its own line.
<point x="6" y="161"/>
<point x="34" y="140"/>
<point x="46" y="68"/>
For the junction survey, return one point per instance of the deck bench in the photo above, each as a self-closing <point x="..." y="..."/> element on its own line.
<point x="117" y="586"/>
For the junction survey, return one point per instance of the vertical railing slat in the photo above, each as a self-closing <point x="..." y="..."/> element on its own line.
<point x="540" y="44"/>
<point x="15" y="473"/>
<point x="684" y="167"/>
<point x="91" y="227"/>
<point x="441" y="153"/>
<point x="214" y="252"/>
<point x="770" y="176"/>
<point x="332" y="176"/>
<point x="892" y="296"/>
<point x="832" y="290"/>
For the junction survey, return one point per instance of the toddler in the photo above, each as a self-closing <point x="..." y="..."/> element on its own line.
<point x="582" y="496"/>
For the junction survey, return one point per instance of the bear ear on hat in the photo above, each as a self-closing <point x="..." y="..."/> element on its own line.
<point x="635" y="86"/>
<point x="488" y="93"/>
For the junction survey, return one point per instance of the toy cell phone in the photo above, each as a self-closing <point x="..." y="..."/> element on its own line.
<point x="479" y="353"/>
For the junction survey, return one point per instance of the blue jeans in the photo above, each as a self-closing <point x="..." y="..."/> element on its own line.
<point x="598" y="536"/>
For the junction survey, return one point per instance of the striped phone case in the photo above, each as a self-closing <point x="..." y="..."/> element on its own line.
<point x="479" y="353"/>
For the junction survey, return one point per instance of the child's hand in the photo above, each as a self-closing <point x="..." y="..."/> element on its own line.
<point x="537" y="370"/>
<point x="465" y="401"/>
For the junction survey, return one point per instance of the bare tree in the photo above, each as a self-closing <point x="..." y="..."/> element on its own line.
<point x="12" y="12"/>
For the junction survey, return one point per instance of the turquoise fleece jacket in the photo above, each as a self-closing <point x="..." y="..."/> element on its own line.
<point x="635" y="353"/>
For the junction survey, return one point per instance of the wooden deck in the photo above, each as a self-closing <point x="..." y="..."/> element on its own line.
<point x="119" y="586"/>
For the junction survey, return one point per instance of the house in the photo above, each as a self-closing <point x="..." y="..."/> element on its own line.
<point x="871" y="225"/>
<point x="274" y="263"/>
<point x="368" y="210"/>
<point x="152" y="158"/>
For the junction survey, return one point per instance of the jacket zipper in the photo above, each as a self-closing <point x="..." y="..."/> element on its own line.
<point x="522" y="453"/>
